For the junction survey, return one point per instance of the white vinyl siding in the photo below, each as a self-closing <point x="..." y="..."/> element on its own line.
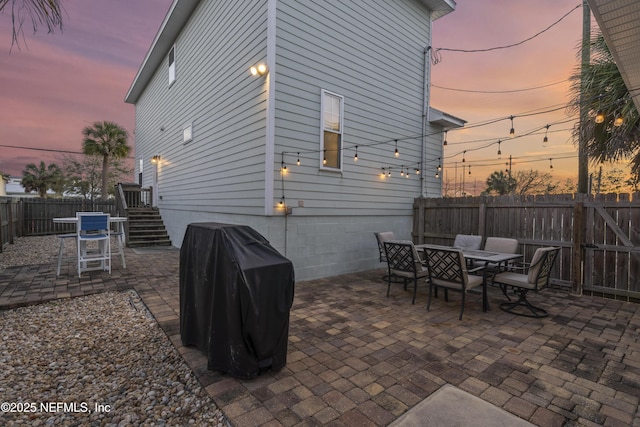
<point x="222" y="168"/>
<point x="372" y="54"/>
<point x="331" y="131"/>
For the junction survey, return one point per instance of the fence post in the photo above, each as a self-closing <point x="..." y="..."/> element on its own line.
<point x="11" y="225"/>
<point x="482" y="217"/>
<point x="578" y="244"/>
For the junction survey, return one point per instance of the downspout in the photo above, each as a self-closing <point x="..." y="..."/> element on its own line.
<point x="426" y="78"/>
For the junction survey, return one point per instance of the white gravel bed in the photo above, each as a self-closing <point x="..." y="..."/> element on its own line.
<point x="31" y="250"/>
<point x="98" y="360"/>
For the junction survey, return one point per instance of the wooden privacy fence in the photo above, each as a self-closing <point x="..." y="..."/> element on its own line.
<point x="10" y="220"/>
<point x="599" y="236"/>
<point x="38" y="214"/>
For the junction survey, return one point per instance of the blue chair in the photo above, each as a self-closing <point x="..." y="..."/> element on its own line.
<point x="93" y="227"/>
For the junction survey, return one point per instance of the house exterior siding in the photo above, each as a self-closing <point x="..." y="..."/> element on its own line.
<point x="245" y="128"/>
<point x="222" y="168"/>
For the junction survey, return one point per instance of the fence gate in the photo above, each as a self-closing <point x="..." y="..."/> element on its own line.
<point x="612" y="247"/>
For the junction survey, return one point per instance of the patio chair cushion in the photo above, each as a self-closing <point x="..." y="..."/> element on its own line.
<point x="381" y="237"/>
<point x="467" y="241"/>
<point x="501" y="244"/>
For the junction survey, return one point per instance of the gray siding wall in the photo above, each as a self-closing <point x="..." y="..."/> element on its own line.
<point x="372" y="53"/>
<point x="369" y="52"/>
<point x="222" y="168"/>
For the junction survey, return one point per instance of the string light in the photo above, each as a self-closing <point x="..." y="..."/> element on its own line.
<point x="396" y="153"/>
<point x="439" y="165"/>
<point x="284" y="168"/>
<point x="469" y="169"/>
<point x="298" y="159"/>
<point x="417" y="171"/>
<point x="389" y="172"/>
<point x="463" y="154"/>
<point x="402" y="170"/>
<point x="512" y="132"/>
<point x="499" y="151"/>
<point x="599" y="117"/>
<point x="445" y="137"/>
<point x="382" y="174"/>
<point x="355" y="157"/>
<point x="546" y="139"/>
<point x="550" y="164"/>
<point x="618" y="121"/>
<point x="324" y="159"/>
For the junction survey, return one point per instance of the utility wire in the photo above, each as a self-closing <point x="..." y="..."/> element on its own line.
<point x="514" y="44"/>
<point x="498" y="91"/>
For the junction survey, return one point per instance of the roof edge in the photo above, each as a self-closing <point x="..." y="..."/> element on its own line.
<point x="177" y="16"/>
<point x="447" y="121"/>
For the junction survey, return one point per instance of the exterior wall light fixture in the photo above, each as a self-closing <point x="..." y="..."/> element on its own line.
<point x="259" y="70"/>
<point x="155" y="159"/>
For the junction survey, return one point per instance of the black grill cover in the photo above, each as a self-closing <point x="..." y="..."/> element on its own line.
<point x="236" y="292"/>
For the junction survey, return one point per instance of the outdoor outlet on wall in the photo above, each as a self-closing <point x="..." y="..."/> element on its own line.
<point x="289" y="210"/>
<point x="301" y="203"/>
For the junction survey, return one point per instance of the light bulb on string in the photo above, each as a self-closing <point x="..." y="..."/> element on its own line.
<point x="397" y="154"/>
<point x="417" y="171"/>
<point x="550" y="164"/>
<point x="402" y="170"/>
<point x="469" y="169"/>
<point x="283" y="168"/>
<point x="389" y="172"/>
<point x="600" y="116"/>
<point x="499" y="151"/>
<point x="439" y="165"/>
<point x="445" y="137"/>
<point x="463" y="154"/>
<point x="383" y="174"/>
<point x="512" y="132"/>
<point x="546" y="138"/>
<point x="324" y="159"/>
<point x="619" y="120"/>
<point x="355" y="157"/>
<point x="298" y="159"/>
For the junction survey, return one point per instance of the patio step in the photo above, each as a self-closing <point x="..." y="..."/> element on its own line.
<point x="146" y="228"/>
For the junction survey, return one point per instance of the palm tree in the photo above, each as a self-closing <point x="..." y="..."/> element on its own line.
<point x="500" y="183"/>
<point x="106" y="139"/>
<point x="601" y="86"/>
<point x="41" y="178"/>
<point x="43" y="12"/>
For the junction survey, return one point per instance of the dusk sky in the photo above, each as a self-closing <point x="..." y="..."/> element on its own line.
<point x="56" y="84"/>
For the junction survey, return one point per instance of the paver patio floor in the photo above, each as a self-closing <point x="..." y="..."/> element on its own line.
<point x="356" y="357"/>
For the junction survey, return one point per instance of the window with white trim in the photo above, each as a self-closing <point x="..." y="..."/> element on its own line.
<point x="332" y="107"/>
<point x="187" y="133"/>
<point x="172" y="64"/>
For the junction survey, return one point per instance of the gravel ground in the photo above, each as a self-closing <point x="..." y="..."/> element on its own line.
<point x="98" y="360"/>
<point x="30" y="251"/>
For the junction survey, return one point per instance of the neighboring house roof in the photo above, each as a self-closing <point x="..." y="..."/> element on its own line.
<point x="440" y="118"/>
<point x="179" y="14"/>
<point x="619" y="21"/>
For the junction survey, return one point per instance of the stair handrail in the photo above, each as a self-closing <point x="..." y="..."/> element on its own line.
<point x="122" y="207"/>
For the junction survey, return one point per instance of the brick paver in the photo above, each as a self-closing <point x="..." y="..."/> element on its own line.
<point x="356" y="357"/>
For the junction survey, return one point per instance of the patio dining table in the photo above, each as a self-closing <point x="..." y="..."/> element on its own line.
<point x="119" y="234"/>
<point x="480" y="256"/>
